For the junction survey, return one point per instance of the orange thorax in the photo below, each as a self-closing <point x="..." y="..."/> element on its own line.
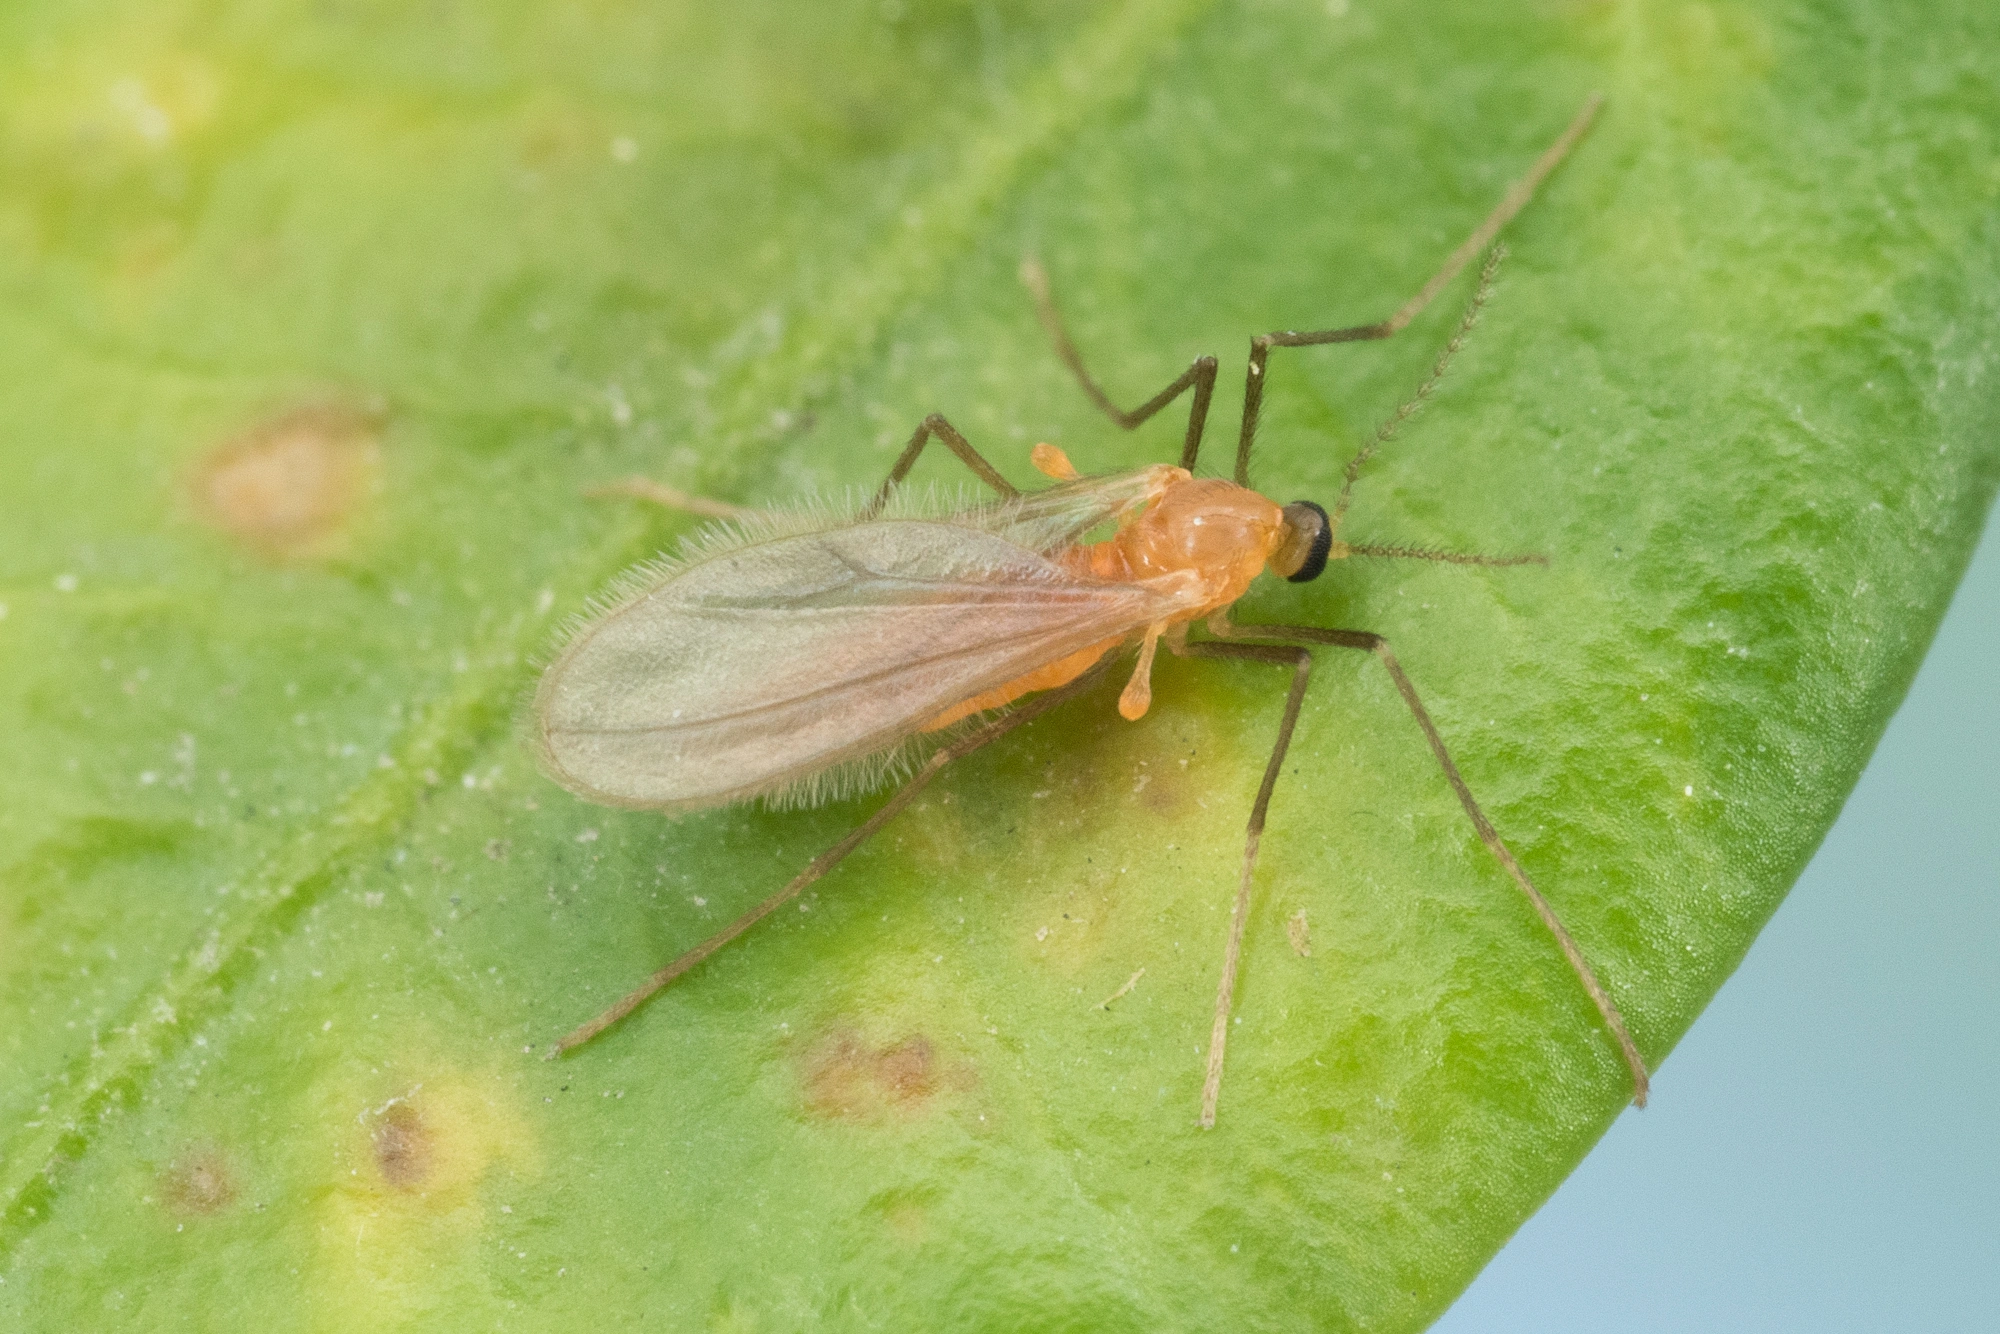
<point x="1218" y="530"/>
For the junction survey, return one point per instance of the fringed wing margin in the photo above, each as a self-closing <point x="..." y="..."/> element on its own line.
<point x="784" y="664"/>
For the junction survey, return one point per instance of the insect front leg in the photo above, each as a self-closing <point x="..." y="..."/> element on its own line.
<point x="1300" y="661"/>
<point x="1223" y="628"/>
<point x="1512" y="202"/>
<point x="1200" y="375"/>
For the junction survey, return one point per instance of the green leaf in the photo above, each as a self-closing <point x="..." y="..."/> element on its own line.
<point x="319" y="319"/>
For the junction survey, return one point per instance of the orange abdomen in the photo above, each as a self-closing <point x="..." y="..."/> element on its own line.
<point x="1046" y="677"/>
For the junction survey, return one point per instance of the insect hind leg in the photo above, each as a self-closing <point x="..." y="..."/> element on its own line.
<point x="986" y="733"/>
<point x="1511" y="203"/>
<point x="659" y="493"/>
<point x="932" y="427"/>
<point x="936" y="427"/>
<point x="1369" y="642"/>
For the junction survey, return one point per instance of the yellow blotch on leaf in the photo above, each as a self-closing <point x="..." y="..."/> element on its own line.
<point x="412" y="1191"/>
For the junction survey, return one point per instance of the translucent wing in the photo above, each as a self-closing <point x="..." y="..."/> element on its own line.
<point x="1059" y="515"/>
<point x="758" y="667"/>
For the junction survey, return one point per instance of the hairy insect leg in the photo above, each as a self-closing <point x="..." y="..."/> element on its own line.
<point x="935" y="426"/>
<point x="1511" y="203"/>
<point x="1300" y="661"/>
<point x="1223" y="628"/>
<point x="826" y="861"/>
<point x="1201" y="374"/>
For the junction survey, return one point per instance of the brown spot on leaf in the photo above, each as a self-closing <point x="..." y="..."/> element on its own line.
<point x="198" y="1182"/>
<point x="403" y="1146"/>
<point x="289" y="485"/>
<point x="848" y="1078"/>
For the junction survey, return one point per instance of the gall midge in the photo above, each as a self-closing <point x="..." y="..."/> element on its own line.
<point x="802" y="657"/>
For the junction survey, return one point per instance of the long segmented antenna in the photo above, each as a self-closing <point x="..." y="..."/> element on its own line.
<point x="1410" y="406"/>
<point x="1442" y="557"/>
<point x="1516" y="198"/>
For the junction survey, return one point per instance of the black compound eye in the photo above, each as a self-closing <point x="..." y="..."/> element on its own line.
<point x="1321" y="542"/>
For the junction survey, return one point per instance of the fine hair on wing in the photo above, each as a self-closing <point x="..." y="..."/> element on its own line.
<point x="1043" y="522"/>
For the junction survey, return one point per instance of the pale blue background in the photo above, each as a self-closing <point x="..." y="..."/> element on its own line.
<point x="1823" y="1149"/>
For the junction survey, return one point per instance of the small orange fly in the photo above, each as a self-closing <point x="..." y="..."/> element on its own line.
<point x="798" y="657"/>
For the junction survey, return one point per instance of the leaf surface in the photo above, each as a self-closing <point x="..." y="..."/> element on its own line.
<point x="320" y="319"/>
